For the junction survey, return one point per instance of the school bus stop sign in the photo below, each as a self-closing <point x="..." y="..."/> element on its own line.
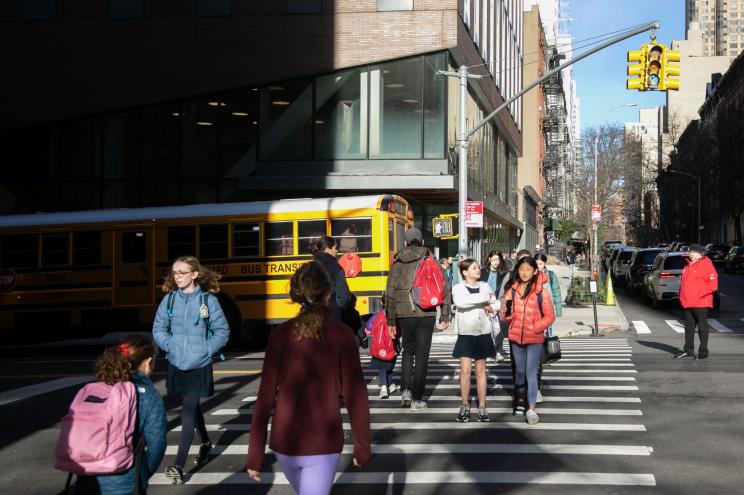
<point x="8" y="279"/>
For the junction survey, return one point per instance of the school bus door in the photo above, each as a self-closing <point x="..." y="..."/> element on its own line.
<point x="134" y="271"/>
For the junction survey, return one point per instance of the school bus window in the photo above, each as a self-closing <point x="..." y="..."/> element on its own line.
<point x="307" y="232"/>
<point x="279" y="239"/>
<point x="352" y="235"/>
<point x="55" y="249"/>
<point x="400" y="235"/>
<point x="86" y="247"/>
<point x="391" y="234"/>
<point x="133" y="247"/>
<point x="246" y="239"/>
<point x="181" y="242"/>
<point x="213" y="241"/>
<point x="19" y="251"/>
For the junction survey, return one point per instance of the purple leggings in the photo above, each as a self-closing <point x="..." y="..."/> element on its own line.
<point x="310" y="474"/>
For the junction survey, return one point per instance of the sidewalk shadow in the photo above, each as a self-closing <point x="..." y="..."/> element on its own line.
<point x="660" y="346"/>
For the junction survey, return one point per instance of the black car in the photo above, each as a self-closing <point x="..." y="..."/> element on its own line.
<point x="734" y="259"/>
<point x="640" y="264"/>
<point x="716" y="252"/>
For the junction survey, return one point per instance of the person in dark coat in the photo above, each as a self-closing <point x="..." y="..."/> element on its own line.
<point x="325" y="252"/>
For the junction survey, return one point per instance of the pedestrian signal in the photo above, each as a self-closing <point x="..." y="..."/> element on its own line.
<point x="637" y="69"/>
<point x="441" y="227"/>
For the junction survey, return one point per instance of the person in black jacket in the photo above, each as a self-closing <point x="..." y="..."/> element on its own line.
<point x="325" y="251"/>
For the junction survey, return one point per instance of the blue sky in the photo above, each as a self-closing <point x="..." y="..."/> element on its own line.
<point x="600" y="78"/>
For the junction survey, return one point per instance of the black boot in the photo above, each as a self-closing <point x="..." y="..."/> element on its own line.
<point x="520" y="400"/>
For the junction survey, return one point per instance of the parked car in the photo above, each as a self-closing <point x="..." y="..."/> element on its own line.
<point x="620" y="266"/>
<point x="663" y="245"/>
<point x="608" y="245"/>
<point x="734" y="259"/>
<point x="613" y="256"/>
<point x="662" y="282"/>
<point x="716" y="252"/>
<point x="640" y="264"/>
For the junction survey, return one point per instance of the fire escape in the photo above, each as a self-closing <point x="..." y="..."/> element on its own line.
<point x="555" y="130"/>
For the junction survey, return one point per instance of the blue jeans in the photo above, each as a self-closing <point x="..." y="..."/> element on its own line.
<point x="527" y="360"/>
<point x="385" y="378"/>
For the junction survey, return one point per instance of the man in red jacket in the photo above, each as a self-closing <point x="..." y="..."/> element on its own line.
<point x="699" y="282"/>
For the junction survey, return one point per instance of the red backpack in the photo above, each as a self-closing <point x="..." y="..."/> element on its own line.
<point x="382" y="345"/>
<point x="427" y="291"/>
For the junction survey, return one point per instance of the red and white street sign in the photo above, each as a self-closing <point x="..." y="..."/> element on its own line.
<point x="474" y="214"/>
<point x="596" y="213"/>
<point x="8" y="280"/>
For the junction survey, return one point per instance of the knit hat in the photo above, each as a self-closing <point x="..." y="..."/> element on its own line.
<point x="696" y="247"/>
<point x="414" y="234"/>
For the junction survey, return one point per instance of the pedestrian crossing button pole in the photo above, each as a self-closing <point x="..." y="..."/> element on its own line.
<point x="593" y="291"/>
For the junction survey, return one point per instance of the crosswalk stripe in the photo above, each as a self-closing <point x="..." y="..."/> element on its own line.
<point x="438" y="425"/>
<point x="456" y="397"/>
<point x="429" y="477"/>
<point x="720" y="327"/>
<point x="675" y="325"/>
<point x="456" y="448"/>
<point x="450" y="410"/>
<point x="508" y="377"/>
<point x="641" y="327"/>
<point x="546" y="386"/>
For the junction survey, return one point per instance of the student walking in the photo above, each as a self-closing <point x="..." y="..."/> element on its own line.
<point x="495" y="274"/>
<point x="190" y="327"/>
<point x="552" y="288"/>
<point x="529" y="313"/>
<point x="311" y="361"/>
<point x="473" y="301"/>
<point x="325" y="251"/>
<point x="698" y="283"/>
<point x="416" y="324"/>
<point x="132" y="360"/>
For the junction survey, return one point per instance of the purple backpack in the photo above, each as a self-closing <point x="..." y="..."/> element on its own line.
<point x="96" y="436"/>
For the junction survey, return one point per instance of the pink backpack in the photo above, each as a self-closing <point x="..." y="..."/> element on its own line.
<point x="96" y="435"/>
<point x="382" y="345"/>
<point x="427" y="291"/>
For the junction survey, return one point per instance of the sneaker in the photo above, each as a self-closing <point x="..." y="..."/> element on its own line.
<point x="418" y="405"/>
<point x="499" y="358"/>
<point x="683" y="355"/>
<point x="383" y="392"/>
<point x="175" y="474"/>
<point x="701" y="356"/>
<point x="483" y="415"/>
<point x="405" y="399"/>
<point x="392" y="388"/>
<point x="539" y="397"/>
<point x="203" y="455"/>
<point x="464" y="415"/>
<point x="532" y="417"/>
<point x="518" y="411"/>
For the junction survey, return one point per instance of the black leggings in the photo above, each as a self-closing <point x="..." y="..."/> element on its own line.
<point x="191" y="416"/>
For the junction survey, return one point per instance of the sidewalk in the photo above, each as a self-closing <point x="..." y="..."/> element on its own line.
<point x="576" y="320"/>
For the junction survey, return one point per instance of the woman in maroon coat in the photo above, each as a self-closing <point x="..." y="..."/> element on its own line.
<point x="310" y="361"/>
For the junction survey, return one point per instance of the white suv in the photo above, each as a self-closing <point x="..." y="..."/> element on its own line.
<point x="662" y="282"/>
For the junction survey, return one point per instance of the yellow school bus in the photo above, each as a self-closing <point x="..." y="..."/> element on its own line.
<point x="91" y="272"/>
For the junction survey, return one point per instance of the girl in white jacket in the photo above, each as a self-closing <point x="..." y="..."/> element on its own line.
<point x="474" y="301"/>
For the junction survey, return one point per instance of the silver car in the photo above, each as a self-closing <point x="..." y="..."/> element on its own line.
<point x="621" y="265"/>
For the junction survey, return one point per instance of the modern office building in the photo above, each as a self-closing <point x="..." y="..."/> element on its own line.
<point x="130" y="103"/>
<point x="721" y="23"/>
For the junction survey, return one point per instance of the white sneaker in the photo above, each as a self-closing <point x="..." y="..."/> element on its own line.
<point x="392" y="388"/>
<point x="539" y="397"/>
<point x="383" y="392"/>
<point x="532" y="417"/>
<point x="499" y="358"/>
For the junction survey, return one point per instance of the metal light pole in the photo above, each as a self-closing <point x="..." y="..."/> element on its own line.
<point x="699" y="201"/>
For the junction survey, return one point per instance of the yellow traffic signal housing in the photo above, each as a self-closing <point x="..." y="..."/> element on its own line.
<point x="654" y="59"/>
<point x="638" y="69"/>
<point x="671" y="71"/>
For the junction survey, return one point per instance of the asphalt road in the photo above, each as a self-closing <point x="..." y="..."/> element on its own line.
<point x="620" y="417"/>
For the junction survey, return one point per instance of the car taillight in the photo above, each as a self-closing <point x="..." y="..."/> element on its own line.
<point x="667" y="275"/>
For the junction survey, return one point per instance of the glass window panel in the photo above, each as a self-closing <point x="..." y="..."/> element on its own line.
<point x="126" y="9"/>
<point x="133" y="247"/>
<point x="238" y="129"/>
<point x="181" y="241"/>
<point x="304" y="6"/>
<point x="79" y="145"/>
<point x="395" y="129"/>
<point x="387" y="5"/>
<point x="39" y="10"/>
<point x="435" y="101"/>
<point x="279" y="239"/>
<point x="199" y="143"/>
<point x="55" y="249"/>
<point x="352" y="235"/>
<point x="123" y="146"/>
<point x="213" y="241"/>
<point x="391" y="234"/>
<point x="19" y="251"/>
<point x="307" y="232"/>
<point x="286" y="112"/>
<point x="400" y="235"/>
<point x="340" y="120"/>
<point x="160" y="128"/>
<point x="199" y="192"/>
<point x="121" y="194"/>
<point x="208" y="8"/>
<point x="86" y="247"/>
<point x="246" y="239"/>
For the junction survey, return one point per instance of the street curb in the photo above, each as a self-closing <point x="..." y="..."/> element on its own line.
<point x="623" y="320"/>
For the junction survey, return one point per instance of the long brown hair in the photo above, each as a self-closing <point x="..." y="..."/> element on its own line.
<point x="207" y="279"/>
<point x="309" y="287"/>
<point x="117" y="363"/>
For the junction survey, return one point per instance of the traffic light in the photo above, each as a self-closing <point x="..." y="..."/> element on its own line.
<point x="654" y="57"/>
<point x="637" y="69"/>
<point x="670" y="64"/>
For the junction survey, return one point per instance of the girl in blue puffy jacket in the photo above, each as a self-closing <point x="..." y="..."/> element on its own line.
<point x="190" y="327"/>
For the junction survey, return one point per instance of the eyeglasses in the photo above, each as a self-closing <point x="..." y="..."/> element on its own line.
<point x="181" y="274"/>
